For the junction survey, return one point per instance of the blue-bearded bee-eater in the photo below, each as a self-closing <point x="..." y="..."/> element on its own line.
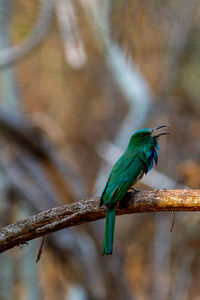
<point x="136" y="161"/>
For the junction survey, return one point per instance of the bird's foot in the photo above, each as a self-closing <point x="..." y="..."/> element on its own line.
<point x="135" y="190"/>
<point x="123" y="201"/>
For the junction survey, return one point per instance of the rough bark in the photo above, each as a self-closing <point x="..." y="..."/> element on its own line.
<point x="89" y="210"/>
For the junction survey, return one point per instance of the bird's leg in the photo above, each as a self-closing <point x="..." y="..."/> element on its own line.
<point x="134" y="189"/>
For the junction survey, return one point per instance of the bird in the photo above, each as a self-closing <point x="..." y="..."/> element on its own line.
<point x="137" y="160"/>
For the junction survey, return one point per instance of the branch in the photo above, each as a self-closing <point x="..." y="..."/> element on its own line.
<point x="15" y="53"/>
<point x="20" y="130"/>
<point x="88" y="210"/>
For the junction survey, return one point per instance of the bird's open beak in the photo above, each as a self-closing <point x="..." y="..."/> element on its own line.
<point x="161" y="133"/>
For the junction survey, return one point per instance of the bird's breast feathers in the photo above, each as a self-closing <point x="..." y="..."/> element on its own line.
<point x="125" y="173"/>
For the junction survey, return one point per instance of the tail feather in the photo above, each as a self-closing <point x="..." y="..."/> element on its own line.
<point x="109" y="231"/>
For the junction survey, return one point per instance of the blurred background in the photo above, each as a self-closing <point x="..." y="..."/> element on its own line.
<point x="77" y="78"/>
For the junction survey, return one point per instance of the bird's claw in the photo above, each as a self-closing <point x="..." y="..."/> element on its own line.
<point x="135" y="190"/>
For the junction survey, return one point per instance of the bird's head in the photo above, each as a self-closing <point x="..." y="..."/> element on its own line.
<point x="147" y="136"/>
<point x="145" y="142"/>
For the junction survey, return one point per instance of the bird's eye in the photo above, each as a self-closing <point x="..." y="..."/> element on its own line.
<point x="142" y="135"/>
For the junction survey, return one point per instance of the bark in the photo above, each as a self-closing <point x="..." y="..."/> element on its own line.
<point x="89" y="210"/>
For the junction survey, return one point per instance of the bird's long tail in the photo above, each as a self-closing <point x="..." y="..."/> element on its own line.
<point x="109" y="231"/>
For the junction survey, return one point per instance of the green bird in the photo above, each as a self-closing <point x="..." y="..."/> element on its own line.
<point x="136" y="161"/>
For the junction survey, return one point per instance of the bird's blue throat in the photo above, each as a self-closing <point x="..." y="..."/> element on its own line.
<point x="152" y="156"/>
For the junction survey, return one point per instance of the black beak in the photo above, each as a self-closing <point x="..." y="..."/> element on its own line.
<point x="161" y="126"/>
<point x="161" y="133"/>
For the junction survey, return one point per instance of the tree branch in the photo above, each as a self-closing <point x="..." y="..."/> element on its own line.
<point x="88" y="210"/>
<point x="15" y="53"/>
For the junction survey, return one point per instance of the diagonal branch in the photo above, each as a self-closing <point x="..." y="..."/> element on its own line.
<point x="88" y="210"/>
<point x="15" y="53"/>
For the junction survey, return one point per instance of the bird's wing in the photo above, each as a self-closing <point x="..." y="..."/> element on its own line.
<point x="123" y="175"/>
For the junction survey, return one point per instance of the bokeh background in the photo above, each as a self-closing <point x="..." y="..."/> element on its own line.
<point x="77" y="78"/>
